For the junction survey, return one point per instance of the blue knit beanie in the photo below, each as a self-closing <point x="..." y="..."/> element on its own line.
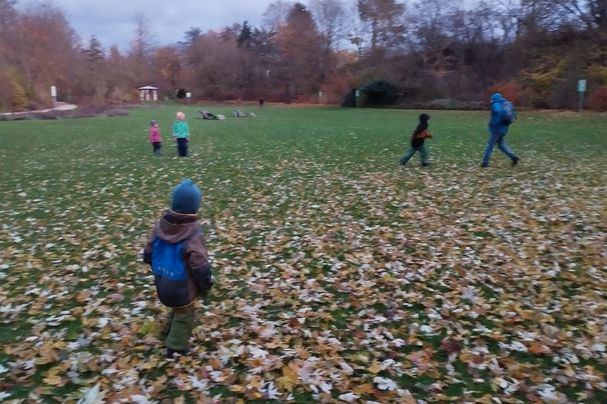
<point x="186" y="197"/>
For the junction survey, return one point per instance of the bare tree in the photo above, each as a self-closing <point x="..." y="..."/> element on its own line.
<point x="432" y="17"/>
<point x="7" y="13"/>
<point x="330" y="17"/>
<point x="8" y="18"/>
<point x="385" y="22"/>
<point x="592" y="13"/>
<point x="276" y="14"/>
<point x="355" y="29"/>
<point x="505" y="15"/>
<point x="140" y="51"/>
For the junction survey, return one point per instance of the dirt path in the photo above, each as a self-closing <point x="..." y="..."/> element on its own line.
<point x="61" y="106"/>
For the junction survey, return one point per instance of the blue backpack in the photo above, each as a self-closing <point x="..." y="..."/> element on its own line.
<point x="168" y="259"/>
<point x="508" y="113"/>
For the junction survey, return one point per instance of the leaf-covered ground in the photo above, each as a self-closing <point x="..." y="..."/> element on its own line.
<point x="340" y="276"/>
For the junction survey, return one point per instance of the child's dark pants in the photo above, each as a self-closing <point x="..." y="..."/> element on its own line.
<point x="157" y="147"/>
<point x="182" y="147"/>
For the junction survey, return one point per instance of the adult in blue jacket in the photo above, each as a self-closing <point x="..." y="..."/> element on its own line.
<point x="498" y="127"/>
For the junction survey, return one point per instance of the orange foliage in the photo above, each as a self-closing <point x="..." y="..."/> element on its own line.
<point x="598" y="99"/>
<point x="512" y="90"/>
<point x="337" y="85"/>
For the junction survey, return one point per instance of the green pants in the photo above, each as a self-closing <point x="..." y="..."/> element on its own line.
<point x="180" y="325"/>
<point x="423" y="153"/>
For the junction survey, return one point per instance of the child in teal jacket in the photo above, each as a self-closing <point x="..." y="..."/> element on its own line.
<point x="181" y="134"/>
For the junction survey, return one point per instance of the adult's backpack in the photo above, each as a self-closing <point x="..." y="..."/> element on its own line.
<point x="508" y="113"/>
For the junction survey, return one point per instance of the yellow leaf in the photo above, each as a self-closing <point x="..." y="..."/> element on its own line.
<point x="289" y="372"/>
<point x="150" y="364"/>
<point x="362" y="389"/>
<point x="255" y="383"/>
<point x="375" y="367"/>
<point x="288" y="379"/>
<point x="53" y="379"/>
<point x="237" y="388"/>
<point x="284" y="383"/>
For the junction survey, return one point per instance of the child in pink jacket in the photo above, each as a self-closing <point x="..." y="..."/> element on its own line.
<point x="155" y="138"/>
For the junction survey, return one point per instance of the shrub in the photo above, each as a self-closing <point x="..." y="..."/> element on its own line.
<point x="349" y="100"/>
<point x="377" y="93"/>
<point x="598" y="99"/>
<point x="13" y="96"/>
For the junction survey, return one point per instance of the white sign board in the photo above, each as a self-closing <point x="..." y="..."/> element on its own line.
<point x="357" y="93"/>
<point x="581" y="86"/>
<point x="53" y="91"/>
<point x="188" y="95"/>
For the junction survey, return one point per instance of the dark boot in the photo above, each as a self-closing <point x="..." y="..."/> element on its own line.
<point x="172" y="352"/>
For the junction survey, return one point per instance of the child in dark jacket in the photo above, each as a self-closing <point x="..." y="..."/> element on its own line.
<point x="417" y="142"/>
<point x="178" y="255"/>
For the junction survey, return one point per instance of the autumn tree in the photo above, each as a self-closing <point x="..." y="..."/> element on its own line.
<point x="167" y="69"/>
<point x="119" y="82"/>
<point x="214" y="75"/>
<point x="300" y="45"/>
<point x="92" y="77"/>
<point x="11" y="90"/>
<point x="52" y="56"/>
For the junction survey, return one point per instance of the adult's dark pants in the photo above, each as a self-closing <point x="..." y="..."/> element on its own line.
<point x="497" y="138"/>
<point x="182" y="147"/>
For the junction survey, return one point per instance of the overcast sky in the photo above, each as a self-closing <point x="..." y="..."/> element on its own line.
<point x="112" y="20"/>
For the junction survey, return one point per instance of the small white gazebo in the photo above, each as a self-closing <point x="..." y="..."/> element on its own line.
<point x="148" y="93"/>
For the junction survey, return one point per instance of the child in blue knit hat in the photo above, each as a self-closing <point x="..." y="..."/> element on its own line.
<point x="178" y="255"/>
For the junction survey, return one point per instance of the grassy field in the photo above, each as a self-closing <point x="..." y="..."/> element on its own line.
<point x="340" y="276"/>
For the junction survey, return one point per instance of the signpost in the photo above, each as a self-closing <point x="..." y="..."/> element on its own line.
<point x="54" y="95"/>
<point x="356" y="95"/>
<point x="581" y="88"/>
<point x="188" y="96"/>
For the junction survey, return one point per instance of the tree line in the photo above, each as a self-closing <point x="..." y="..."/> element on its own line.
<point x="431" y="53"/>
